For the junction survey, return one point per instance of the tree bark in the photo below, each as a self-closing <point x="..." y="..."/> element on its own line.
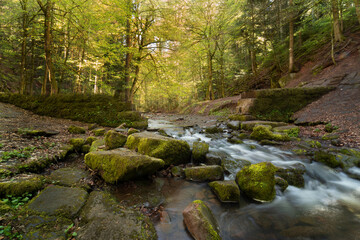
<point x="357" y="7"/>
<point x="128" y="59"/>
<point x="210" y="90"/>
<point x="23" y="46"/>
<point x="291" y="38"/>
<point x="336" y="22"/>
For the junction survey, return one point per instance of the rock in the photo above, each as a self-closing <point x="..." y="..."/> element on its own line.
<point x="270" y="143"/>
<point x="241" y="118"/>
<point x="20" y="184"/>
<point x="65" y="151"/>
<point x="132" y="131"/>
<point x="226" y="191"/>
<point x="330" y="136"/>
<point x="99" y="132"/>
<point x="327" y="159"/>
<point x="234" y="165"/>
<point x="106" y="219"/>
<point x="204" y="173"/>
<point x="200" y="221"/>
<point x="234" y="125"/>
<point x="199" y="151"/>
<point x="90" y="140"/>
<point x="92" y="126"/>
<point x="97" y="145"/>
<point x="293" y="176"/>
<point x="282" y="183"/>
<point x="57" y="200"/>
<point x="213" y="158"/>
<point x="76" y="130"/>
<point x="170" y="150"/>
<point x="142" y="125"/>
<point x="85" y="148"/>
<point x="77" y="143"/>
<point x="177" y="171"/>
<point x="213" y="130"/>
<point x="257" y="181"/>
<point x="45" y="227"/>
<point x="37" y="133"/>
<point x="114" y="140"/>
<point x="290" y="130"/>
<point x="68" y="177"/>
<point x="234" y="140"/>
<point x="249" y="125"/>
<point x="262" y="132"/>
<point x="313" y="144"/>
<point x="244" y="105"/>
<point x="122" y="164"/>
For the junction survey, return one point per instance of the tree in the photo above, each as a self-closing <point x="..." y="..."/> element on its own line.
<point x="338" y="37"/>
<point x="291" y="37"/>
<point x="357" y="7"/>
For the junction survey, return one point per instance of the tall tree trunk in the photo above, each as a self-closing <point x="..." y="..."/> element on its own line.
<point x="23" y="46"/>
<point x="77" y="88"/>
<point x="222" y="74"/>
<point x="210" y="90"/>
<point x="357" y="7"/>
<point x="291" y="38"/>
<point x="32" y="63"/>
<point x="336" y="22"/>
<point x="252" y="40"/>
<point x="128" y="59"/>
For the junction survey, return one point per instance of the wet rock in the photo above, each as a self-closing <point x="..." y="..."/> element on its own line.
<point x="20" y="184"/>
<point x="270" y="143"/>
<point x="234" y="125"/>
<point x="177" y="171"/>
<point x="249" y="125"/>
<point x="57" y="200"/>
<point x="99" y="132"/>
<point x="45" y="227"/>
<point x="204" y="173"/>
<point x="122" y="164"/>
<point x="105" y="219"/>
<point x="293" y="176"/>
<point x="76" y="130"/>
<point x="199" y="151"/>
<point x="170" y="150"/>
<point x="68" y="176"/>
<point x="226" y="191"/>
<point x="235" y="140"/>
<point x="213" y="158"/>
<point x="282" y="183"/>
<point x="200" y="221"/>
<point x="213" y="130"/>
<point x="328" y="159"/>
<point x="262" y="132"/>
<point x="163" y="133"/>
<point x="114" y="140"/>
<point x="257" y="181"/>
<point x="98" y="145"/>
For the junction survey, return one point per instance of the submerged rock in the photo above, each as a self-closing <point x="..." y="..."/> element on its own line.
<point x="56" y="200"/>
<point x="76" y="130"/>
<point x="262" y="132"/>
<point x="204" y="173"/>
<point x="20" y="184"/>
<point x="122" y="164"/>
<point x="200" y="221"/>
<point x="199" y="151"/>
<point x="114" y="140"/>
<point x="105" y="219"/>
<point x="226" y="191"/>
<point x="170" y="150"/>
<point x="257" y="181"/>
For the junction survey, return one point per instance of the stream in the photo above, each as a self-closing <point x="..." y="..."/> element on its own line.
<point x="328" y="207"/>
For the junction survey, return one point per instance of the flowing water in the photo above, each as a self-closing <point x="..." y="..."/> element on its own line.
<point x="328" y="207"/>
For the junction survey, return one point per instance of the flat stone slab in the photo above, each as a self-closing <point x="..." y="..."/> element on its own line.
<point x="204" y="173"/>
<point x="20" y="184"/>
<point x="55" y="200"/>
<point x="68" y="176"/>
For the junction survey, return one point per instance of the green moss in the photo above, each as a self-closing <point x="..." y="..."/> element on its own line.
<point x="35" y="165"/>
<point x="238" y="117"/>
<point x="85" y="148"/>
<point x="257" y="181"/>
<point x="330" y="137"/>
<point x="132" y="131"/>
<point x="328" y="159"/>
<point x="291" y="131"/>
<point x="314" y="144"/>
<point x="213" y="130"/>
<point x="226" y="191"/>
<point x="199" y="151"/>
<point x="77" y="143"/>
<point x="96" y="144"/>
<point x="99" y="132"/>
<point x="300" y="151"/>
<point x="293" y="177"/>
<point x="66" y="150"/>
<point x="282" y="183"/>
<point x="249" y="125"/>
<point x="114" y="140"/>
<point x="20" y="184"/>
<point x="204" y="173"/>
<point x="262" y="132"/>
<point x="4" y="173"/>
<point x="90" y="140"/>
<point x="76" y="130"/>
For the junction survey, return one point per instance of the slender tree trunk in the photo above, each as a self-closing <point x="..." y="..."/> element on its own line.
<point x="222" y="74"/>
<point x="336" y="22"/>
<point x="79" y="72"/>
<point x="252" y="40"/>
<point x="128" y="59"/>
<point x="291" y="38"/>
<point x="210" y="90"/>
<point x="23" y="46"/>
<point x="357" y="7"/>
<point x="32" y="72"/>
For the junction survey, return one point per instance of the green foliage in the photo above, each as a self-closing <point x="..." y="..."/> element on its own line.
<point x="7" y="233"/>
<point x="16" y="202"/>
<point x="18" y="154"/>
<point x="329" y="128"/>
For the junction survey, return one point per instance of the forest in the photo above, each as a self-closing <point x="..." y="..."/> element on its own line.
<point x="162" y="55"/>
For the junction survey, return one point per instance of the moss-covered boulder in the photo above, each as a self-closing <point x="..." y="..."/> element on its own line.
<point x="98" y="145"/>
<point x="36" y="132"/>
<point x="114" y="140"/>
<point x="90" y="140"/>
<point x="65" y="151"/>
<point x="213" y="130"/>
<point x="257" y="181"/>
<point x="293" y="176"/>
<point x="204" y="173"/>
<point x="76" y="130"/>
<point x="313" y="144"/>
<point x="20" y="184"/>
<point x="282" y="183"/>
<point x="263" y="132"/>
<point x="122" y="164"/>
<point x="132" y="131"/>
<point x="199" y="151"/>
<point x="249" y="125"/>
<point x="200" y="221"/>
<point x="99" y="131"/>
<point x="170" y="150"/>
<point x="104" y="218"/>
<point x="177" y="171"/>
<point x="240" y="117"/>
<point x="234" y="125"/>
<point x="328" y="159"/>
<point x="226" y="191"/>
<point x="57" y="200"/>
<point x="77" y="143"/>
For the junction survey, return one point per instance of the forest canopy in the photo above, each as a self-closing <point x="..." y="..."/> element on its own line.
<point x="163" y="54"/>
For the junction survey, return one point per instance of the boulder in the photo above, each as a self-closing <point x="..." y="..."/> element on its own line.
<point x="37" y="133"/>
<point x="328" y="159"/>
<point x="241" y="118"/>
<point x="132" y="131"/>
<point x="77" y="143"/>
<point x="170" y="150"/>
<point x="122" y="164"/>
<point x="99" y="131"/>
<point x="293" y="176"/>
<point x="177" y="171"/>
<point x="57" y="200"/>
<point x="263" y="132"/>
<point x="114" y="140"/>
<point x="105" y="219"/>
<point x="226" y="191"/>
<point x="257" y="181"/>
<point x="76" y="130"/>
<point x="68" y="176"/>
<point x="90" y="140"/>
<point x="213" y="158"/>
<point x="200" y="221"/>
<point x="330" y="136"/>
<point x="234" y="125"/>
<point x="199" y="151"/>
<point x="213" y="130"/>
<point x="20" y="184"/>
<point x="249" y="125"/>
<point x="204" y="173"/>
<point x="282" y="183"/>
<point x="97" y="145"/>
